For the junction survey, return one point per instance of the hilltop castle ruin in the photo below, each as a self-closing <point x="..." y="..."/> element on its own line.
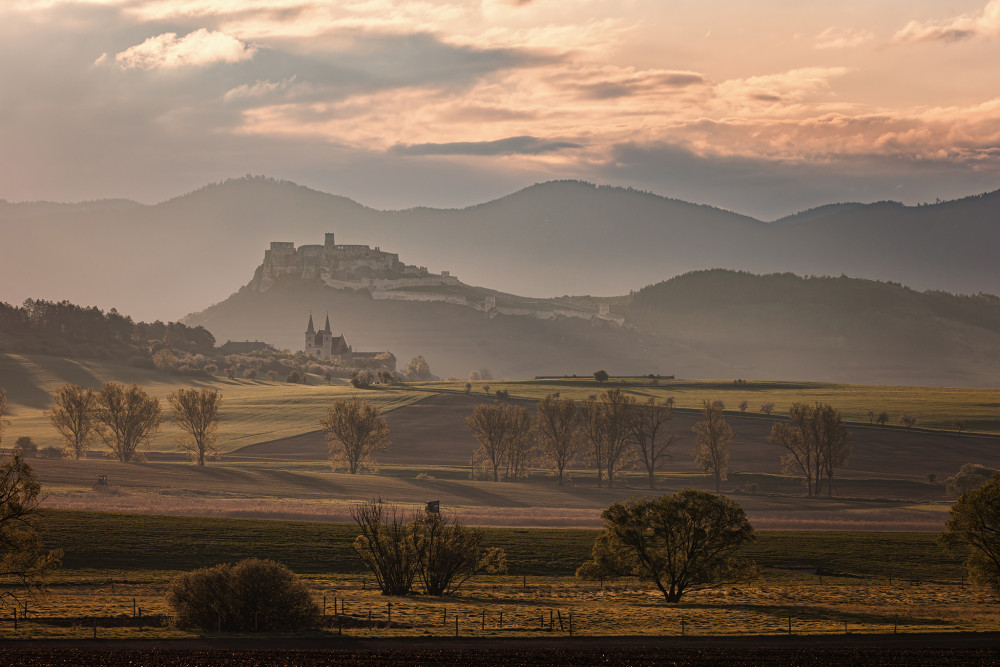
<point x="342" y="266"/>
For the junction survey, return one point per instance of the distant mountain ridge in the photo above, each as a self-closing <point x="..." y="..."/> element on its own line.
<point x="556" y="238"/>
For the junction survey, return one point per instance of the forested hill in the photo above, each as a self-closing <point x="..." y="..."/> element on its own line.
<point x="64" y="329"/>
<point x="873" y="330"/>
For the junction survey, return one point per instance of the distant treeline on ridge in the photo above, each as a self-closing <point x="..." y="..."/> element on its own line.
<point x="67" y="330"/>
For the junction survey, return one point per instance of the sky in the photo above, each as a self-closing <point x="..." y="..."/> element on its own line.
<point x="761" y="107"/>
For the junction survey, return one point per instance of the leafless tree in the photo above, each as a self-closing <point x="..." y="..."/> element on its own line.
<point x="504" y="434"/>
<point x="767" y="408"/>
<point x="384" y="546"/>
<point x="127" y="417"/>
<point x="815" y="444"/>
<point x="354" y="432"/>
<point x="196" y="412"/>
<point x="606" y="424"/>
<point x="652" y="442"/>
<point x="559" y="435"/>
<point x="72" y="414"/>
<point x="714" y="435"/>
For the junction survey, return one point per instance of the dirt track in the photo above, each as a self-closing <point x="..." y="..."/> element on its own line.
<point x="940" y="649"/>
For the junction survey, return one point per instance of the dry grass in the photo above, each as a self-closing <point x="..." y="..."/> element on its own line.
<point x="530" y="605"/>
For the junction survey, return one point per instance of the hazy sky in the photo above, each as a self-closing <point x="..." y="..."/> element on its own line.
<point x="764" y="107"/>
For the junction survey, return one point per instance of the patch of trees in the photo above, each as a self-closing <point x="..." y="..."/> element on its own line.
<point x="435" y="552"/>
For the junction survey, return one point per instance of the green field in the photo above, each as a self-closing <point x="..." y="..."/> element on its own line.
<point x="149" y="542"/>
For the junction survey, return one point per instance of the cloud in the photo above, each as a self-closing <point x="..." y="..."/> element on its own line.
<point x="985" y="24"/>
<point x="508" y="146"/>
<point x="198" y="48"/>
<point x="842" y="38"/>
<point x="792" y="86"/>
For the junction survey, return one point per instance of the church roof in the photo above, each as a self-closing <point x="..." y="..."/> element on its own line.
<point x="310" y="329"/>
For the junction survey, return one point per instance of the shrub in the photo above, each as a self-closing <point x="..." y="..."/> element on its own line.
<point x="50" y="453"/>
<point x="250" y="596"/>
<point x="294" y="377"/>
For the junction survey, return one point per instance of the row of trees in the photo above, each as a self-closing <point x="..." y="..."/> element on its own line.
<point x="611" y="432"/>
<point x="126" y="417"/>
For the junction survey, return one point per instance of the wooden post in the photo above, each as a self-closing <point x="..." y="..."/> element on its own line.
<point x="501" y="619"/>
<point x="324" y="606"/>
<point x="389" y="614"/>
<point x="789" y="624"/>
<point x="445" y="621"/>
<point x="571" y="624"/>
<point x="133" y="607"/>
<point x="559" y="615"/>
<point x="140" y="617"/>
<point x="483" y="627"/>
<point x="456" y="626"/>
<point x="369" y="619"/>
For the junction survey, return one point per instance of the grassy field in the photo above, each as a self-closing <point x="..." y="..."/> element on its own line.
<point x="252" y="411"/>
<point x="820" y="583"/>
<point x="934" y="407"/>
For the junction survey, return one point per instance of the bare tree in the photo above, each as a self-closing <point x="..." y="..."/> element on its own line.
<point x="606" y="424"/>
<point x="559" y="434"/>
<point x="448" y="554"/>
<point x="652" y="443"/>
<point x="767" y="408"/>
<point x="384" y="546"/>
<point x="355" y="432"/>
<point x="743" y="405"/>
<point x="816" y="444"/>
<point x="72" y="414"/>
<point x="197" y="413"/>
<point x="882" y="418"/>
<point x="714" y="435"/>
<point x="127" y="417"/>
<point x="504" y="435"/>
<point x="909" y="421"/>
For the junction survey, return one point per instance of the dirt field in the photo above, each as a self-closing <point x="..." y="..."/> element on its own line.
<point x="931" y="650"/>
<point x="432" y="431"/>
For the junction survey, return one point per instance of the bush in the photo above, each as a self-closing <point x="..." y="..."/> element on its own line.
<point x="294" y="377"/>
<point x="51" y="453"/>
<point x="251" y="596"/>
<point x="27" y="446"/>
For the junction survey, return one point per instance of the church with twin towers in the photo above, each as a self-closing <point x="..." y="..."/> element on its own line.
<point x="324" y="345"/>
